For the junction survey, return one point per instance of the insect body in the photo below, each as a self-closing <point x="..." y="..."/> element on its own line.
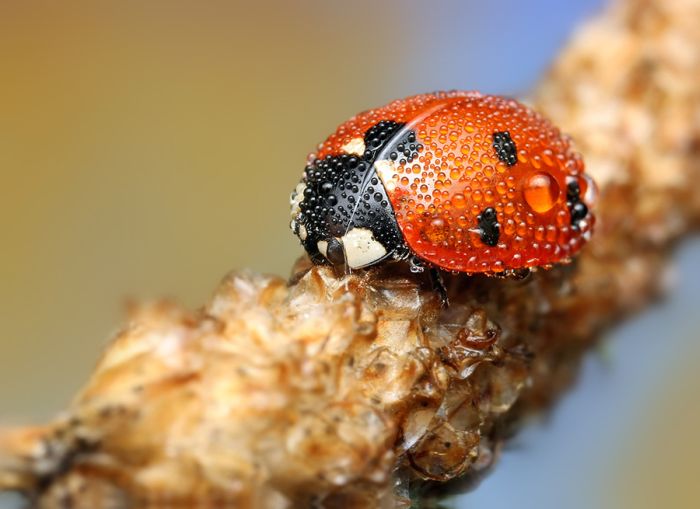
<point x="459" y="181"/>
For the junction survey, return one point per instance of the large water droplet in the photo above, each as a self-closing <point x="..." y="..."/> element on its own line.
<point x="541" y="192"/>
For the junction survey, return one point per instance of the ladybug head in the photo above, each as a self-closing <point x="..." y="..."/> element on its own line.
<point x="341" y="213"/>
<point x="330" y="242"/>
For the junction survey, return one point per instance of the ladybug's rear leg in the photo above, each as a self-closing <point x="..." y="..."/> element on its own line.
<point x="514" y="274"/>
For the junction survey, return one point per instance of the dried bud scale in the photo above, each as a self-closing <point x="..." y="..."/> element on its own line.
<point x="329" y="390"/>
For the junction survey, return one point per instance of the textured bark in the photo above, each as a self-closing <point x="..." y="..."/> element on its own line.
<point x="353" y="391"/>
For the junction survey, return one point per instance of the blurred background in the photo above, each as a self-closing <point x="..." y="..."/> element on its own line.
<point x="147" y="148"/>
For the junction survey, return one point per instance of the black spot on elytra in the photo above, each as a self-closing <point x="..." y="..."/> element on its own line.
<point x="489" y="227"/>
<point x="387" y="134"/>
<point x="505" y="147"/>
<point x="378" y="135"/>
<point x="577" y="209"/>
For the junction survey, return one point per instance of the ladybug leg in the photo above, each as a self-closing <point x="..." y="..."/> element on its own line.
<point x="342" y="270"/>
<point x="438" y="283"/>
<point x="521" y="274"/>
<point x="439" y="286"/>
<point x="514" y="274"/>
<point x="415" y="265"/>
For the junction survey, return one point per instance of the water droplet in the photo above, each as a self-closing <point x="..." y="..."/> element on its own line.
<point x="589" y="190"/>
<point x="541" y="192"/>
<point x="459" y="201"/>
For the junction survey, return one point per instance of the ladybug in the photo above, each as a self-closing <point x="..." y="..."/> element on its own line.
<point x="455" y="181"/>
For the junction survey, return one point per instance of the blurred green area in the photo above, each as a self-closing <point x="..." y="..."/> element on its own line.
<point x="147" y="148"/>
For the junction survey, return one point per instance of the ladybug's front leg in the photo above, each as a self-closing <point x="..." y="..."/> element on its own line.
<point x="439" y="286"/>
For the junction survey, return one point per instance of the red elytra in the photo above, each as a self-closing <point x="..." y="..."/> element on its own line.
<point x="474" y="183"/>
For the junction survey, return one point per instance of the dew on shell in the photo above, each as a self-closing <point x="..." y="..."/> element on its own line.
<point x="541" y="192"/>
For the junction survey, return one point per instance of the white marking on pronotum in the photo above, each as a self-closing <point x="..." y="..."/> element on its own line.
<point x="296" y="198"/>
<point x="361" y="248"/>
<point x="356" y="146"/>
<point x="322" y="246"/>
<point x="302" y="232"/>
<point x="386" y="169"/>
